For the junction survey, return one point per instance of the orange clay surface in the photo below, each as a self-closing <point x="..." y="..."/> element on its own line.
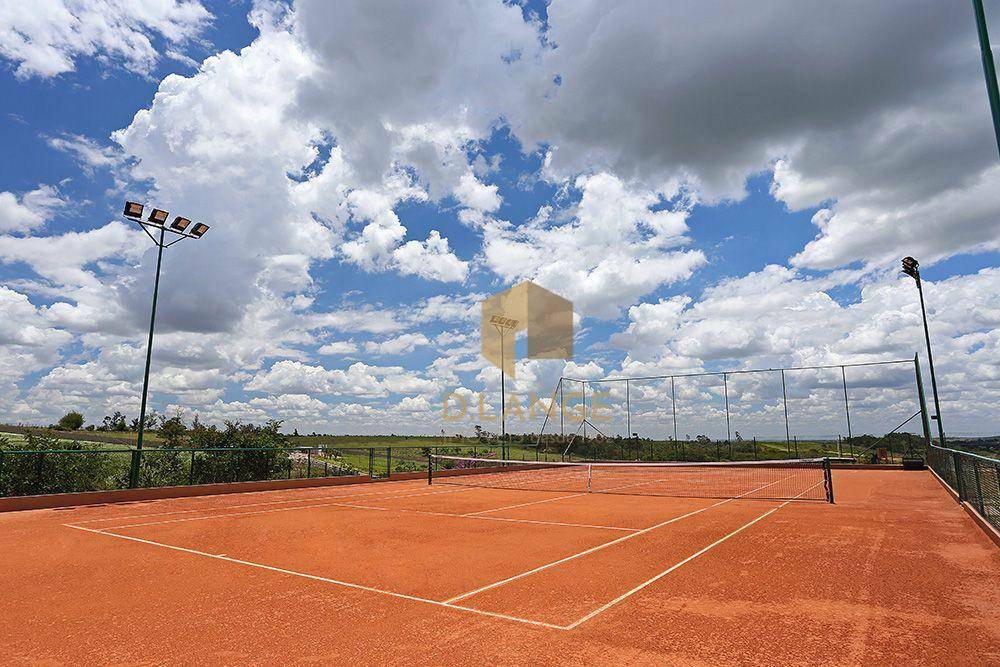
<point x="405" y="573"/>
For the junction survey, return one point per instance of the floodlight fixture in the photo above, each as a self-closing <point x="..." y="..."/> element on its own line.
<point x="157" y="217"/>
<point x="501" y="322"/>
<point x="199" y="230"/>
<point x="133" y="210"/>
<point x="180" y="224"/>
<point x="911" y="267"/>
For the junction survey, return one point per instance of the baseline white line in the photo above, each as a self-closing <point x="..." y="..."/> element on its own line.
<point x="534" y="502"/>
<point x="327" y="580"/>
<point x="675" y="566"/>
<point x="348" y="495"/>
<point x="540" y="568"/>
<point x="268" y="511"/>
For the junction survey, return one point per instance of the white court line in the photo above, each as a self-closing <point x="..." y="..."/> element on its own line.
<point x="690" y="558"/>
<point x="260" y="504"/>
<point x="533" y="502"/>
<point x="327" y="580"/>
<point x="599" y="547"/>
<point x="269" y="511"/>
<point x="487" y="518"/>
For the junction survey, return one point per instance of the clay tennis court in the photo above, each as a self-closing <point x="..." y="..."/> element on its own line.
<point x="410" y="573"/>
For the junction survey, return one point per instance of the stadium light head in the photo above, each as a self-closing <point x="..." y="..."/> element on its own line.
<point x="157" y="217"/>
<point x="180" y="224"/>
<point x="501" y="322"/>
<point x="911" y="267"/>
<point x="199" y="230"/>
<point x="133" y="210"/>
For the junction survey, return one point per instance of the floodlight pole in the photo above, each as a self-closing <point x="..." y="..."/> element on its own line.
<point x="503" y="393"/>
<point x="149" y="344"/>
<point x="911" y="268"/>
<point x="503" y="325"/>
<point x="157" y="220"/>
<point x="989" y="70"/>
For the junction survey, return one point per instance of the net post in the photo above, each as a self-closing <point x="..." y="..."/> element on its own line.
<point x="590" y="473"/>
<point x="828" y="480"/>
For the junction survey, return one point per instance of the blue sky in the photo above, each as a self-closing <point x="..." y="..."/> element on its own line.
<point x="371" y="173"/>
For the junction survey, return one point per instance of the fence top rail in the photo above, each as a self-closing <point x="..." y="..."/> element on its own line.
<point x="964" y="453"/>
<point x="737" y="372"/>
<point x="175" y="449"/>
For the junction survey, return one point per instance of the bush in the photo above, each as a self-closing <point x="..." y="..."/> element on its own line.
<point x="71" y="421"/>
<point x="42" y="471"/>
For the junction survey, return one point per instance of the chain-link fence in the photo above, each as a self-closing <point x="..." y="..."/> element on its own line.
<point x="873" y="412"/>
<point x="975" y="479"/>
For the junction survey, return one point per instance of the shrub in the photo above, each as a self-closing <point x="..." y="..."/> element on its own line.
<point x="42" y="471"/>
<point x="71" y="421"/>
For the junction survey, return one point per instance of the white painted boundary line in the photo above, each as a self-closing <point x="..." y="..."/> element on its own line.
<point x="374" y="507"/>
<point x="591" y="550"/>
<point x="488" y="518"/>
<point x="348" y="495"/>
<point x="687" y="560"/>
<point x="533" y="502"/>
<point x="345" y="584"/>
<point x="267" y="511"/>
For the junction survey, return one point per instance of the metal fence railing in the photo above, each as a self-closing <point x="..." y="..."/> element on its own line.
<point x="975" y="479"/>
<point x="45" y="471"/>
<point x="36" y="472"/>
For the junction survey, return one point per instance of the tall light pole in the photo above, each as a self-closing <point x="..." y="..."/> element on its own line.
<point x="911" y="267"/>
<point x="157" y="222"/>
<point x="989" y="68"/>
<point x="503" y="325"/>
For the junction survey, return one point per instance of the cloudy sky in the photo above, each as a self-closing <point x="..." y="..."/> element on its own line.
<point x="717" y="185"/>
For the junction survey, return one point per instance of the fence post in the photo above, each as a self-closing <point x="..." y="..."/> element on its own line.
<point x="309" y="463"/>
<point x="430" y="470"/>
<point x="755" y="448"/>
<point x="784" y="400"/>
<point x="847" y="405"/>
<point x="673" y="406"/>
<point x="725" y="389"/>
<point x="388" y="462"/>
<point x="628" y="411"/>
<point x="979" y="488"/>
<point x="191" y="470"/>
<point x="957" y="460"/>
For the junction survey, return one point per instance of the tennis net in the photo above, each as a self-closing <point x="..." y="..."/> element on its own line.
<point x="787" y="479"/>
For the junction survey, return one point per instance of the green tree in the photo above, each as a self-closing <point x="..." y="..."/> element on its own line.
<point x="71" y="421"/>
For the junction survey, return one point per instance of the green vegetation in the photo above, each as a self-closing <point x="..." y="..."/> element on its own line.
<point x="71" y="421"/>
